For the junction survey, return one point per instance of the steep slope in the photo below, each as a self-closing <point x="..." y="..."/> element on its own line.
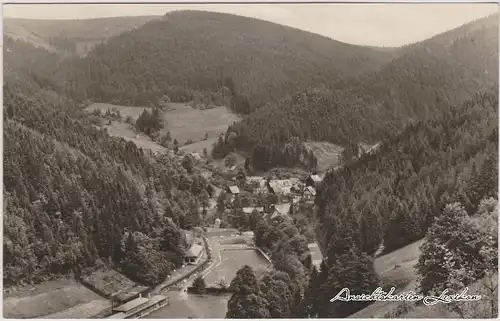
<point x="258" y="60"/>
<point x="393" y="196"/>
<point x="72" y="193"/>
<point x="442" y="71"/>
<point x="69" y="36"/>
<point x="30" y="66"/>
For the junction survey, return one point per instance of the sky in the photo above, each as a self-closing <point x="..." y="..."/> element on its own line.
<point x="375" y="24"/>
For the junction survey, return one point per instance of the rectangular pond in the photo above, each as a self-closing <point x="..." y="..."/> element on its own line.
<point x="234" y="259"/>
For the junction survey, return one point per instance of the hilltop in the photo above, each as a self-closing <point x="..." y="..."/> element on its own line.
<point x="70" y="36"/>
<point x="416" y="85"/>
<point x="257" y="61"/>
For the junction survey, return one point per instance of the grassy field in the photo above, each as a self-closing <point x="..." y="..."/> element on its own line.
<point x="199" y="146"/>
<point x="395" y="269"/>
<point x="327" y="154"/>
<point x="123" y="130"/>
<point x="186" y="123"/>
<point x="183" y="122"/>
<point x="108" y="282"/>
<point x="53" y="299"/>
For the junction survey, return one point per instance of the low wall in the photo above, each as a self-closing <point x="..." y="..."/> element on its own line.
<point x="254" y="248"/>
<point x="210" y="290"/>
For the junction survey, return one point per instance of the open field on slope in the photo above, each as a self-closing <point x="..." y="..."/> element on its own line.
<point x="395" y="269"/>
<point x="183" y="122"/>
<point x="123" y="130"/>
<point x="59" y="298"/>
<point x="108" y="282"/>
<point x="328" y="154"/>
<point x="199" y="146"/>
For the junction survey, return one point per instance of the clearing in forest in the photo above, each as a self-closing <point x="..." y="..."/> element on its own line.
<point x="64" y="298"/>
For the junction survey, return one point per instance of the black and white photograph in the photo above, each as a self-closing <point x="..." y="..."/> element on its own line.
<point x="250" y="160"/>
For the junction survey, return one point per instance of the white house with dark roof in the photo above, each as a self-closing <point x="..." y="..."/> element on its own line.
<point x="282" y="210"/>
<point x="249" y="210"/>
<point x="314" y="180"/>
<point x="309" y="192"/>
<point x="258" y="184"/>
<point x="193" y="255"/>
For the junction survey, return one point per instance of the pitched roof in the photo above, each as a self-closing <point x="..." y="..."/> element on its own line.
<point x="282" y="209"/>
<point x="131" y="304"/>
<point x="234" y="189"/>
<point x="278" y="185"/>
<point x="316" y="178"/>
<point x="194" y="251"/>
<point x="254" y="178"/>
<point x="311" y="190"/>
<point x="249" y="210"/>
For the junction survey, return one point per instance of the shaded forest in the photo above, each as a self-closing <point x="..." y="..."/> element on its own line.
<point x="420" y="84"/>
<point x="73" y="195"/>
<point x="194" y="51"/>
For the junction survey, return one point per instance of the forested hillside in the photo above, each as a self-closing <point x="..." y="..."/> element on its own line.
<point x="31" y="67"/>
<point x="188" y="51"/>
<point x="72" y="192"/>
<point x="394" y="196"/>
<point x="439" y="72"/>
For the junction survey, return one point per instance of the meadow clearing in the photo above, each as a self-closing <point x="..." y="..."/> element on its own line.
<point x="184" y="123"/>
<point x="328" y="154"/>
<point x="64" y="298"/>
<point x="396" y="269"/>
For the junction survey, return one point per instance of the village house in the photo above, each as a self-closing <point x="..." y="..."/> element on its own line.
<point x="233" y="191"/>
<point x="282" y="210"/>
<point x="193" y="255"/>
<point x="196" y="156"/>
<point x="313" y="180"/>
<point x="195" y="251"/>
<point x="249" y="210"/>
<point x="280" y="187"/>
<point x="258" y="184"/>
<point x="309" y="193"/>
